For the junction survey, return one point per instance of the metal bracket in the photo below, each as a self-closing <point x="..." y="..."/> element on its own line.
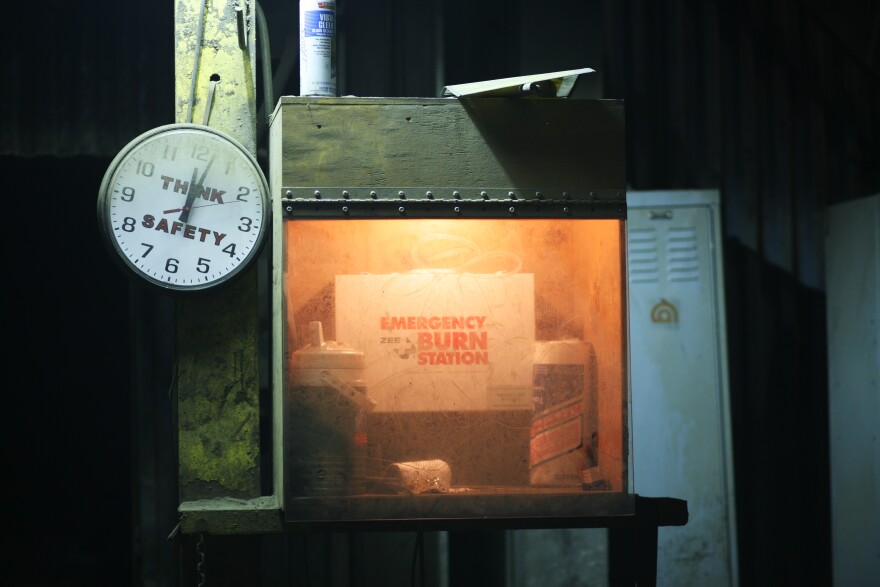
<point x="421" y="202"/>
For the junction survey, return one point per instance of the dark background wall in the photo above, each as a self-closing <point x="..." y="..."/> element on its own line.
<point x="775" y="103"/>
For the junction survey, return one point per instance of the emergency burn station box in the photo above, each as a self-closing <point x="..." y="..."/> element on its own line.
<point x="450" y="329"/>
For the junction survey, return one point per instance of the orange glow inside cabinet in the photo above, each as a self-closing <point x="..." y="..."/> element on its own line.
<point x="450" y="353"/>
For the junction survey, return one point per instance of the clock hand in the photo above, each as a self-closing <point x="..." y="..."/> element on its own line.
<point x="173" y="210"/>
<point x="194" y="189"/>
<point x="190" y="197"/>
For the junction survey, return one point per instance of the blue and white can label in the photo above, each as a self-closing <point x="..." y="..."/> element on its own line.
<point x="317" y="48"/>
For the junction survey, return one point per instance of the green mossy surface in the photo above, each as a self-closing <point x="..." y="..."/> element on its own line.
<point x="218" y="392"/>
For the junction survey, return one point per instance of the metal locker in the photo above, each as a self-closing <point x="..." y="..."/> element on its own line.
<point x="679" y="384"/>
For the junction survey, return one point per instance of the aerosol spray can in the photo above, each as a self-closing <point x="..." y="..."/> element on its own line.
<point x="317" y="47"/>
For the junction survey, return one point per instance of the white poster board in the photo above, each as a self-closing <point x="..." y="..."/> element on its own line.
<point x="441" y="341"/>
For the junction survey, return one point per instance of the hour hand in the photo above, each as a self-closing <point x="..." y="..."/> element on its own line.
<point x="194" y="189"/>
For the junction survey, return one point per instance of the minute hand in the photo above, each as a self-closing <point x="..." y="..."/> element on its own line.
<point x="194" y="190"/>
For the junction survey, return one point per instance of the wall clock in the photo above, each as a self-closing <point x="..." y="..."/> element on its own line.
<point x="184" y="208"/>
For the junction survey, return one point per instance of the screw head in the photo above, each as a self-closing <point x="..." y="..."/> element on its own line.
<point x="345" y="209"/>
<point x="401" y="210"/>
<point x="317" y="194"/>
<point x="511" y="209"/>
<point x="288" y="193"/>
<point x="457" y="210"/>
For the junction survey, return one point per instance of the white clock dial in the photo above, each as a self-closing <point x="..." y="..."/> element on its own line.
<point x="184" y="207"/>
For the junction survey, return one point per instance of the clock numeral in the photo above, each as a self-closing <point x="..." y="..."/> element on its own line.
<point x="202" y="266"/>
<point x="242" y="192"/>
<point x="169" y="153"/>
<point x="246" y="224"/>
<point x="171" y="265"/>
<point x="127" y="194"/>
<point x="128" y="224"/>
<point x="229" y="249"/>
<point x="145" y="168"/>
<point x="200" y="152"/>
<point x="148" y="248"/>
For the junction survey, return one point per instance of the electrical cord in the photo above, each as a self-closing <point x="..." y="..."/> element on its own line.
<point x="461" y="253"/>
<point x="265" y="63"/>
<point x="192" y="84"/>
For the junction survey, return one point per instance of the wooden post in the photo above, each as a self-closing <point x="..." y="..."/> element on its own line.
<point x="217" y="366"/>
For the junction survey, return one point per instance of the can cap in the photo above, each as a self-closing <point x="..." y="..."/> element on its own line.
<point x="325" y="354"/>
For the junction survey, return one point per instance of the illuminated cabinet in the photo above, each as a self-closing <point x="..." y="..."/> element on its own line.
<point x="450" y="311"/>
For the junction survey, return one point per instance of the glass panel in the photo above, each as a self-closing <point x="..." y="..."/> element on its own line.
<point x="435" y="365"/>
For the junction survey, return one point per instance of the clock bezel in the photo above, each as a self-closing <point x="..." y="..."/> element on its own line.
<point x="105" y="222"/>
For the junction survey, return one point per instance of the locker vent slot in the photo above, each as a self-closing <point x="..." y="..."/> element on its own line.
<point x="644" y="264"/>
<point x="682" y="257"/>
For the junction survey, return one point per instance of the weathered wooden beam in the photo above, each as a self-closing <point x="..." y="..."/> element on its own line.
<point x="217" y="370"/>
<point x="231" y="516"/>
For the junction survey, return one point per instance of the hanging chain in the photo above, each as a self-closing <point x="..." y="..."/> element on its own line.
<point x="200" y="560"/>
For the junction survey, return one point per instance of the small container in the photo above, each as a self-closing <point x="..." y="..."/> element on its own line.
<point x="317" y="48"/>
<point x="562" y="441"/>
<point x="326" y="404"/>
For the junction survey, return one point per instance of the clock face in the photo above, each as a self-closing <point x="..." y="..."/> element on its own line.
<point x="184" y="207"/>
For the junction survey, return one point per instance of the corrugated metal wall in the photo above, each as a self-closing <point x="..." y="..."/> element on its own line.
<point x="757" y="98"/>
<point x="85" y="78"/>
<point x="764" y="101"/>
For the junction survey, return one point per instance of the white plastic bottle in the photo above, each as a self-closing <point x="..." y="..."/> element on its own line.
<point x="326" y="403"/>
